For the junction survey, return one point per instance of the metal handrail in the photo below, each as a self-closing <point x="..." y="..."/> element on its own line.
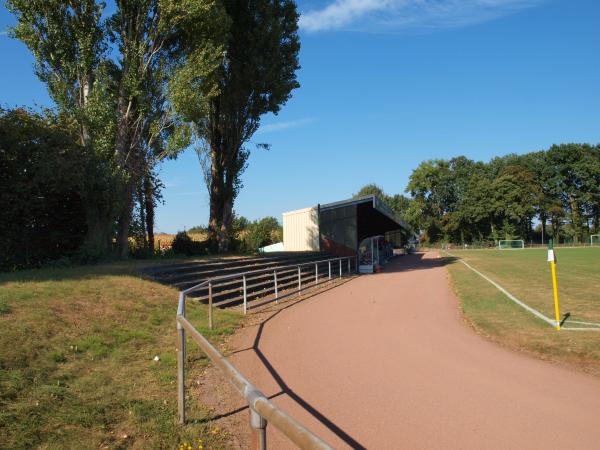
<point x="262" y="410"/>
<point x="257" y="271"/>
<point x="243" y="275"/>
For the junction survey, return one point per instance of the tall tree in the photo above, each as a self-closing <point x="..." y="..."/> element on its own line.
<point x="67" y="39"/>
<point x="226" y="97"/>
<point x="110" y="77"/>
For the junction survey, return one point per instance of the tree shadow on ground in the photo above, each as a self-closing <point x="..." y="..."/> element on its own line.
<point x="285" y="389"/>
<point x="416" y="261"/>
<point x="400" y="264"/>
<point x="140" y="268"/>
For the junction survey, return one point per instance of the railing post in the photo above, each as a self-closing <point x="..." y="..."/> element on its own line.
<point x="348" y="265"/>
<point x="340" y="267"/>
<point x="210" y="309"/>
<point x="181" y="361"/>
<point x="330" y="269"/>
<point x="299" y="281"/>
<point x="258" y="428"/>
<point x="245" y="296"/>
<point x="276" y="291"/>
<point x="316" y="274"/>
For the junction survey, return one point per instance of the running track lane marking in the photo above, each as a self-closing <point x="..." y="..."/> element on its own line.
<point x="525" y="306"/>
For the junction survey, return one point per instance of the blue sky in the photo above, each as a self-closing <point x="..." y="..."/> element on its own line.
<point x="387" y="84"/>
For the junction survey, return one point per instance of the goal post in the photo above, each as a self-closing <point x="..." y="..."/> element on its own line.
<point x="511" y="244"/>
<point x="595" y="239"/>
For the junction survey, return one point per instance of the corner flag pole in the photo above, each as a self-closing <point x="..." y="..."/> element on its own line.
<point x="552" y="261"/>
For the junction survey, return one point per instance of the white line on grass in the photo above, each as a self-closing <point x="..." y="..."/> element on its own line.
<point x="592" y="325"/>
<point x="579" y="329"/>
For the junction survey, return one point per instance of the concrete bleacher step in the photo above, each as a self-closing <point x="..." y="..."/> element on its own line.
<point x="229" y="292"/>
<point x="259" y="283"/>
<point x="201" y="270"/>
<point x="186" y="280"/>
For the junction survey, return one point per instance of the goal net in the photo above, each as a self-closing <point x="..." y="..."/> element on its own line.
<point x="595" y="239"/>
<point x="510" y="244"/>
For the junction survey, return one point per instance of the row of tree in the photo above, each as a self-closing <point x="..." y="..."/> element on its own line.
<point x="147" y="80"/>
<point x="534" y="196"/>
<point x="249" y="236"/>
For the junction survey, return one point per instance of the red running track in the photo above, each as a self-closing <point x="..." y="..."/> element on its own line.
<point x="385" y="361"/>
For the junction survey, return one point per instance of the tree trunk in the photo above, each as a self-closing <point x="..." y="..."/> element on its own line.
<point x="124" y="221"/>
<point x="575" y="219"/>
<point x="543" y="220"/>
<point x="141" y="197"/>
<point x="149" y="200"/>
<point x="221" y="208"/>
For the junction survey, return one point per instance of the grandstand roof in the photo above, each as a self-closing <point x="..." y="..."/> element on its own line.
<point x="381" y="217"/>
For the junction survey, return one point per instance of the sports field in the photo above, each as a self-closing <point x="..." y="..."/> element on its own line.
<point x="526" y="275"/>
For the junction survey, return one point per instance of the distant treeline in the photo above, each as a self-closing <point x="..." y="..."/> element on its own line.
<point x="539" y="195"/>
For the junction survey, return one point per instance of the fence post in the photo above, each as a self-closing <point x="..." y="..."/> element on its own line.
<point x="299" y="281"/>
<point x="258" y="428"/>
<point x="316" y="274"/>
<point x="276" y="291"/>
<point x="330" y="269"/>
<point x="245" y="296"/>
<point x="210" y="302"/>
<point x="181" y="361"/>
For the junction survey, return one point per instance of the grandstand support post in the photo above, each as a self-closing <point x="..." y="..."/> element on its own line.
<point x="210" y="302"/>
<point x="181" y="361"/>
<point x="330" y="269"/>
<point x="299" y="281"/>
<point x="245" y="295"/>
<point x="275" y="283"/>
<point x="316" y="274"/>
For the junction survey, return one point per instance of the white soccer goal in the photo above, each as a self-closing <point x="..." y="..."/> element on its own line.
<point x="511" y="244"/>
<point x="595" y="239"/>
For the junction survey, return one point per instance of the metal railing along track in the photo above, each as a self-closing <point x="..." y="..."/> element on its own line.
<point x="262" y="410"/>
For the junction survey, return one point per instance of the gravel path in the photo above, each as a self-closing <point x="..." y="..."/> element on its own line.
<point x="385" y="361"/>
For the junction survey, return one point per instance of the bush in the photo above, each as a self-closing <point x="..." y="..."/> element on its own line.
<point x="183" y="244"/>
<point x="41" y="189"/>
<point x="262" y="232"/>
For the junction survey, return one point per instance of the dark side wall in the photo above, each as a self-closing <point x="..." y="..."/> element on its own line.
<point x="338" y="230"/>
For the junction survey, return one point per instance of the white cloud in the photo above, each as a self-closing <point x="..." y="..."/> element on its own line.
<point x="396" y="15"/>
<point x="279" y="126"/>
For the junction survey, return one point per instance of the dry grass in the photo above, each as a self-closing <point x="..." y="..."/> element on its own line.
<point x="76" y="361"/>
<point x="164" y="241"/>
<point x="526" y="274"/>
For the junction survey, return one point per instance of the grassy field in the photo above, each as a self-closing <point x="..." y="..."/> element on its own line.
<point x="526" y="275"/>
<point x="77" y="367"/>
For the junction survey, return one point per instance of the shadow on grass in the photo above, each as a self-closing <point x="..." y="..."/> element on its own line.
<point x="130" y="267"/>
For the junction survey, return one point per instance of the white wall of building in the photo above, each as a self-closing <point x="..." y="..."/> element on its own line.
<point x="301" y="230"/>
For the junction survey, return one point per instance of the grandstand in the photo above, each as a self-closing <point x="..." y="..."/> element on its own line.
<point x="365" y="227"/>
<point x="364" y="231"/>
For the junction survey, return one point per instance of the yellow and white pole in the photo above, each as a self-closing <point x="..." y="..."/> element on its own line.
<point x="552" y="260"/>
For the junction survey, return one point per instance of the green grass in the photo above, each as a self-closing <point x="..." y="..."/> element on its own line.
<point x="76" y="361"/>
<point x="526" y="275"/>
